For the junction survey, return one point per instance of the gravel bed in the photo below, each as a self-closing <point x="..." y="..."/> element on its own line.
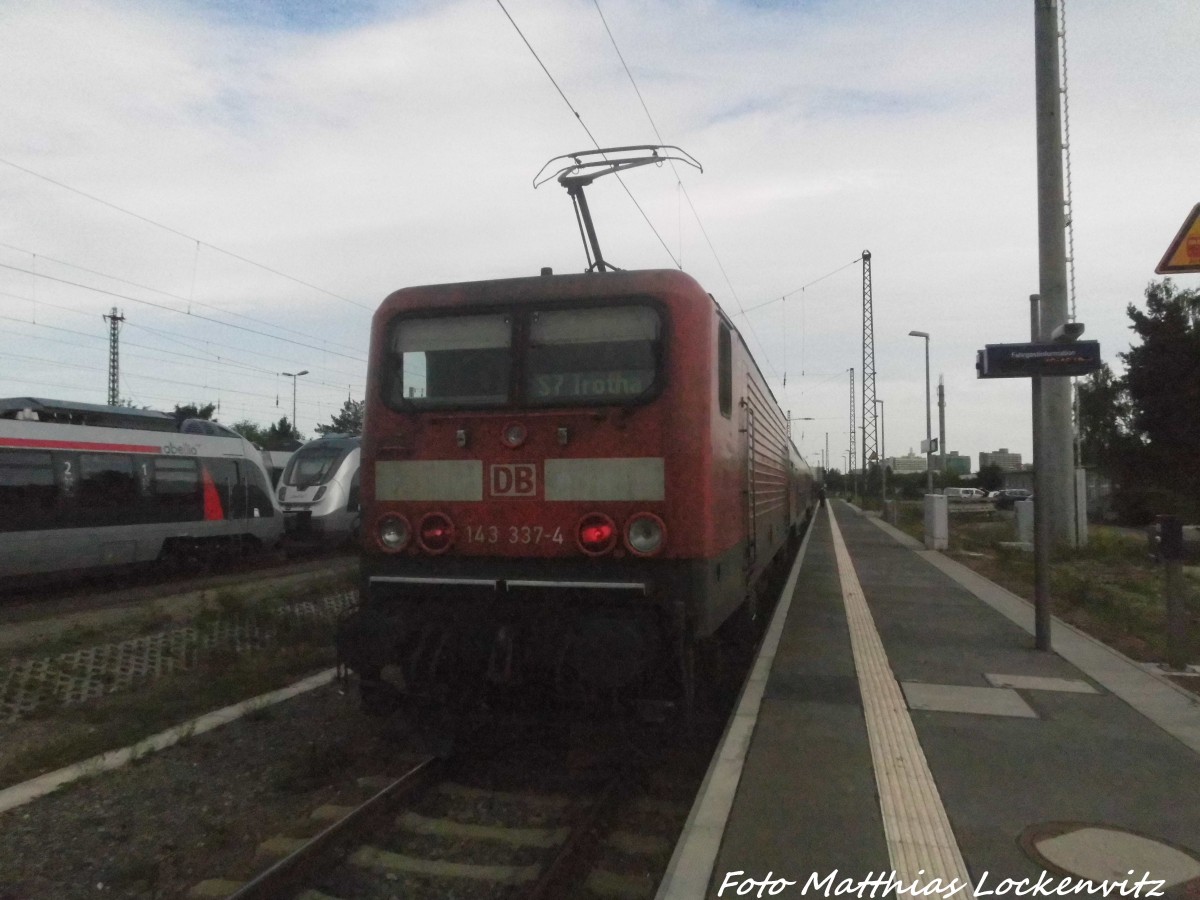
<point x="197" y="810"/>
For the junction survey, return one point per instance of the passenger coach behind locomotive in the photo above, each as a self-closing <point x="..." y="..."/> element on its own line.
<point x="576" y="476"/>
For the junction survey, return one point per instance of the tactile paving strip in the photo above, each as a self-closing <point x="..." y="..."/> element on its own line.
<point x="92" y="672"/>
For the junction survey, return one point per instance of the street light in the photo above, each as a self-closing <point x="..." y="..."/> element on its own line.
<point x="294" y="376"/>
<point x="928" y="417"/>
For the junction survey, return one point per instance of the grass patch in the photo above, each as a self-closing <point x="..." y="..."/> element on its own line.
<point x="60" y="735"/>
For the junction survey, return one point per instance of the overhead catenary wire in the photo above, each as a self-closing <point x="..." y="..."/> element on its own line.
<point x="588" y="131"/>
<point x="131" y="299"/>
<point x="181" y="234"/>
<point x="171" y="356"/>
<point x="184" y="340"/>
<point x="742" y="310"/>
<point x="188" y="300"/>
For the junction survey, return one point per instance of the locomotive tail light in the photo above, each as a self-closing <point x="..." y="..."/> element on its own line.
<point x="513" y="435"/>
<point x="645" y="534"/>
<point x="597" y="534"/>
<point x="436" y="533"/>
<point x="393" y="533"/>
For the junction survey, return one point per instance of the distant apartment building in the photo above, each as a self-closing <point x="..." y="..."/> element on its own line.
<point x="1002" y="458"/>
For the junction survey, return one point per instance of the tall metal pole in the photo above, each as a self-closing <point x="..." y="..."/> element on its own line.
<point x="114" y="320"/>
<point x="942" y="427"/>
<point x="1041" y="521"/>
<point x="853" y="455"/>
<point x="882" y="453"/>
<point x="870" y="442"/>
<point x="928" y="425"/>
<point x="928" y="416"/>
<point x="1058" y="498"/>
<point x="294" y="376"/>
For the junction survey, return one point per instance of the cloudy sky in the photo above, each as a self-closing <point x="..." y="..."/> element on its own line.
<point x="245" y="181"/>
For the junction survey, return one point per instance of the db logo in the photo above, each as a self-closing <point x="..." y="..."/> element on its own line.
<point x="517" y="480"/>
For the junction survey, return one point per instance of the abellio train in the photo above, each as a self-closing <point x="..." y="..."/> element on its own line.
<point x="319" y="491"/>
<point x="86" y="487"/>
<point x="569" y="480"/>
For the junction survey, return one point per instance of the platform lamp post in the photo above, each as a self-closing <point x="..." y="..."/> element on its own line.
<point x="294" y="376"/>
<point x="928" y="416"/>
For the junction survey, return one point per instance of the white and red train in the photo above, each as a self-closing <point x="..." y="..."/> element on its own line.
<point x="86" y="487"/>
<point x="572" y="478"/>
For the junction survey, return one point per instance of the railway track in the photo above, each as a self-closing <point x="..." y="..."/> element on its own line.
<point x="550" y="833"/>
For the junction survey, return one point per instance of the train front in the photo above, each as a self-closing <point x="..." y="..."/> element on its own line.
<point x="528" y="449"/>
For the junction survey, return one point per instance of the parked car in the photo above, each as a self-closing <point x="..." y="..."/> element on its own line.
<point x="964" y="495"/>
<point x="1006" y="498"/>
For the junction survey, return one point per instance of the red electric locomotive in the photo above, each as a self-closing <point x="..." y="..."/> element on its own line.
<point x="566" y="479"/>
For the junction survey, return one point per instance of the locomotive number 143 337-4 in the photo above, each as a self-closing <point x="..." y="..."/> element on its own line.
<point x="513" y="534"/>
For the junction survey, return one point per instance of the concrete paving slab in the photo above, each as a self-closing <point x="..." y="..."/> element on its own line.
<point x="1039" y="683"/>
<point x="956" y="698"/>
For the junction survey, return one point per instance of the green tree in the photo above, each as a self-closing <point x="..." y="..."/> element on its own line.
<point x="192" y="411"/>
<point x="1105" y="422"/>
<point x="282" y="435"/>
<point x="251" y="431"/>
<point x="348" y="421"/>
<point x="990" y="478"/>
<point x="1162" y="381"/>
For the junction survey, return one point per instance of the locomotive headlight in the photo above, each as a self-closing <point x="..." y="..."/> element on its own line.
<point x="645" y="534"/>
<point x="436" y="533"/>
<point x="393" y="532"/>
<point x="282" y="492"/>
<point x="319" y="494"/>
<point x="513" y="435"/>
<point x="596" y="534"/>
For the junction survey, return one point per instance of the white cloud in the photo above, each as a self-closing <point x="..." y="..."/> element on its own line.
<point x="366" y="153"/>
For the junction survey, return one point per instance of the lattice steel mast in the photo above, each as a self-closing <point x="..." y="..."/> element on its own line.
<point x="870" y="447"/>
<point x="114" y="320"/>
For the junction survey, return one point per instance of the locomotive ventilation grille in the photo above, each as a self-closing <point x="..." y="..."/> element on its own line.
<point x="93" y="672"/>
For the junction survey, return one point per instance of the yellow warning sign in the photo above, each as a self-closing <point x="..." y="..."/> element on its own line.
<point x="1184" y="253"/>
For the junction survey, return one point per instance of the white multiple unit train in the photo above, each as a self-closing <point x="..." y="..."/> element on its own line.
<point x="86" y="487"/>
<point x="319" y="491"/>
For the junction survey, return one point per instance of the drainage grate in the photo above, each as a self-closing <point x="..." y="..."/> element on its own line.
<point x="93" y="672"/>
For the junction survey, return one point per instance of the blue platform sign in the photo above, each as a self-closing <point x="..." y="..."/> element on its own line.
<point x="1027" y="360"/>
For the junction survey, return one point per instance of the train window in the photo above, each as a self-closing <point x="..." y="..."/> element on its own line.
<point x="107" y="482"/>
<point x="176" y="489"/>
<point x="313" y="465"/>
<point x="592" y="355"/>
<point x="27" y="489"/>
<point x="725" y="370"/>
<point x="258" y="492"/>
<point x="353" y="501"/>
<point x="452" y="360"/>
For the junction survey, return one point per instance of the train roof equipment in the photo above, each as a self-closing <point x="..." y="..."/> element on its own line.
<point x="586" y="166"/>
<point x="70" y="412"/>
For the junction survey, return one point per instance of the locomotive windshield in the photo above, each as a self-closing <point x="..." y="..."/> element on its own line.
<point x="566" y="357"/>
<point x="312" y="465"/>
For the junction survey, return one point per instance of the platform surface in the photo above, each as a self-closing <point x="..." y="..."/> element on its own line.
<point x="907" y="730"/>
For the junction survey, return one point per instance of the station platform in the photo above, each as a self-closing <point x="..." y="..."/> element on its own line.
<point x="900" y="735"/>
